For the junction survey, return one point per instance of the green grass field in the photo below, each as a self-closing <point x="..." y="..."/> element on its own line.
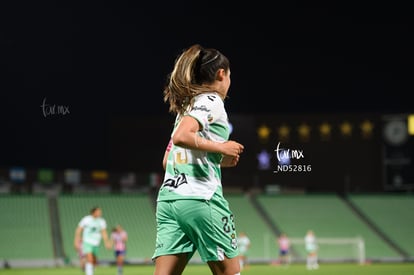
<point x="295" y="269"/>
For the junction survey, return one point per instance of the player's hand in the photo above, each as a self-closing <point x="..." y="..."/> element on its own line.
<point x="229" y="161"/>
<point x="232" y="148"/>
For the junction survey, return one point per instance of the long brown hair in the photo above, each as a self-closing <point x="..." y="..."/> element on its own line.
<point x="194" y="67"/>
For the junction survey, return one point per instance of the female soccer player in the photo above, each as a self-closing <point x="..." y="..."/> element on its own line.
<point x="119" y="238"/>
<point x="192" y="213"/>
<point x="312" y="250"/>
<point x="284" y="245"/>
<point x="244" y="244"/>
<point x="91" y="230"/>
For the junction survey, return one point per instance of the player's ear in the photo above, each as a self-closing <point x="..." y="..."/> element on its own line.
<point x="221" y="73"/>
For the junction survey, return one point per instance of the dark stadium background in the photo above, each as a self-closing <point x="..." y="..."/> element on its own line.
<point x="103" y="65"/>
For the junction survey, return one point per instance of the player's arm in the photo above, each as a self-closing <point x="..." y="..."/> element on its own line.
<point x="107" y="241"/>
<point x="167" y="150"/>
<point x="111" y="239"/>
<point x="185" y="135"/>
<point x="76" y="241"/>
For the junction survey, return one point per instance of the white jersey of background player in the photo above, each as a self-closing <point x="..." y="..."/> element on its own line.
<point x="243" y="243"/>
<point x="311" y="249"/>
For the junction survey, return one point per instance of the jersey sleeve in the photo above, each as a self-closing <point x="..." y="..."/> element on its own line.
<point x="207" y="109"/>
<point x="83" y="222"/>
<point x="103" y="224"/>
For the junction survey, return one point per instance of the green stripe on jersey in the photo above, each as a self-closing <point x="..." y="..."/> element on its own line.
<point x="219" y="130"/>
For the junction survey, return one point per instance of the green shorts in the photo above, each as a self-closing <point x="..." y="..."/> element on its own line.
<point x="88" y="248"/>
<point x="184" y="226"/>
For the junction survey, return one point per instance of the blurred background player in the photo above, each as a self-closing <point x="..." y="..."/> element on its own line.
<point x="119" y="238"/>
<point x="89" y="233"/>
<point x="311" y="250"/>
<point x="243" y="243"/>
<point x="284" y="245"/>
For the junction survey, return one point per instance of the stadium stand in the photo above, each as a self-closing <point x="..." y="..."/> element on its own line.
<point x="38" y="229"/>
<point x="393" y="214"/>
<point x="25" y="229"/>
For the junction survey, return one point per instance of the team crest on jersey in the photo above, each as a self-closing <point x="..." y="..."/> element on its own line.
<point x="209" y="118"/>
<point x="233" y="241"/>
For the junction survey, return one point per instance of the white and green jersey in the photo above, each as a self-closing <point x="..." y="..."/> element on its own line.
<point x="196" y="174"/>
<point x="310" y="243"/>
<point x="92" y="228"/>
<point x="243" y="243"/>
